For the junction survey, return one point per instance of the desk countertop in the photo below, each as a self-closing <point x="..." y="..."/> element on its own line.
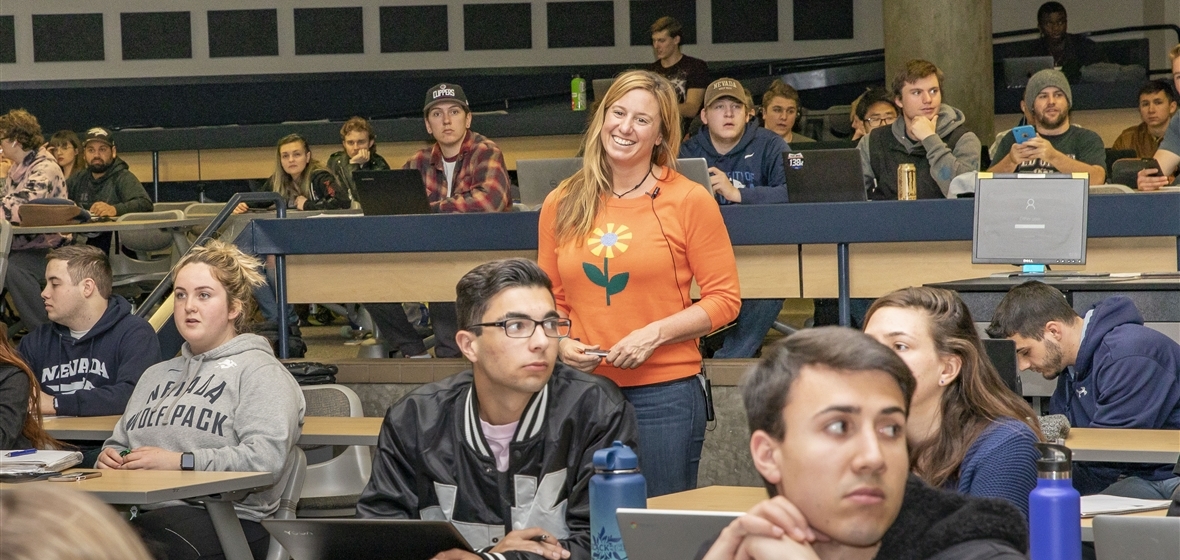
<point x="145" y="487"/>
<point x="742" y="498"/>
<point x="90" y="227"/>
<point x="317" y="430"/>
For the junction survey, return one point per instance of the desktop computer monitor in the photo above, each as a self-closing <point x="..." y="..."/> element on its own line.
<point x="1030" y="219"/>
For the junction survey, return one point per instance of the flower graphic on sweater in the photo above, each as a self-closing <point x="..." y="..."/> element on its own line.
<point x="605" y="245"/>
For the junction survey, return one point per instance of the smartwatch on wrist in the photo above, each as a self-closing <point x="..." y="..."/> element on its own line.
<point x="187" y="462"/>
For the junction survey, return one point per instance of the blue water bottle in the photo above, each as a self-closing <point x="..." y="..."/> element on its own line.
<point x="1054" y="508"/>
<point x="616" y="483"/>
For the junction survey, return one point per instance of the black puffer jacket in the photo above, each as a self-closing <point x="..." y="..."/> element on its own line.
<point x="433" y="462"/>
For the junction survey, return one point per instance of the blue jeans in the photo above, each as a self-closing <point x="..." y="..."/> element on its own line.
<point x="268" y="304"/>
<point x="671" y="433"/>
<point x="753" y="322"/>
<point x="1135" y="487"/>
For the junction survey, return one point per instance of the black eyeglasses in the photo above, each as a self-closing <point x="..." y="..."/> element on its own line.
<point x="524" y="327"/>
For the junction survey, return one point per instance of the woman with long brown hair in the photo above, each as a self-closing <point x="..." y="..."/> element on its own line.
<point x="622" y="240"/>
<point x="67" y="150"/>
<point x="966" y="429"/>
<point x="20" y="415"/>
<point x="302" y="181"/>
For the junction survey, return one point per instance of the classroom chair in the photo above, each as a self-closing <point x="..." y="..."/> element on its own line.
<point x="5" y="247"/>
<point x="154" y="254"/>
<point x="337" y="474"/>
<point x="289" y="502"/>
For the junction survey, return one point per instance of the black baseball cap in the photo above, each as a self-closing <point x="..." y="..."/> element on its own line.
<point x="99" y="134"/>
<point x="445" y="92"/>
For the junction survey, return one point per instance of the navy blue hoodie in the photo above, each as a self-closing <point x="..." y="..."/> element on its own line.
<point x="94" y="375"/>
<point x="756" y="161"/>
<point x="1126" y="376"/>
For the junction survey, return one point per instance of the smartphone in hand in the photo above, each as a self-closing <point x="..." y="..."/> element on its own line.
<point x="1024" y="133"/>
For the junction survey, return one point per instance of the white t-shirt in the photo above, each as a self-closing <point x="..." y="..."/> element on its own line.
<point x="78" y="334"/>
<point x="498" y="439"/>
<point x="449" y="169"/>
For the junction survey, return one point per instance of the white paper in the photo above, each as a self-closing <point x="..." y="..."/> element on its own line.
<point x="56" y="461"/>
<point x="1099" y="504"/>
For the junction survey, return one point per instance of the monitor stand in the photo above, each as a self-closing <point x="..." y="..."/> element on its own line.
<point x="1043" y="271"/>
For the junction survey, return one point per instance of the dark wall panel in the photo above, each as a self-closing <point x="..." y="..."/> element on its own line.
<point x="823" y="19"/>
<point x="156" y="35"/>
<point x="646" y="12"/>
<point x="497" y="26"/>
<point x="329" y="31"/>
<point x="67" y="37"/>
<point x="414" y="29"/>
<point x="581" y="24"/>
<point x="7" y="39"/>
<point x="243" y="33"/>
<point x="745" y="21"/>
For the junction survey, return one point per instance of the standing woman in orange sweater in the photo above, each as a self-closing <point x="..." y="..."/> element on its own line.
<point x="622" y="240"/>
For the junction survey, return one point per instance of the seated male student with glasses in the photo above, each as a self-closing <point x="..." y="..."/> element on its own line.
<point x="504" y="450"/>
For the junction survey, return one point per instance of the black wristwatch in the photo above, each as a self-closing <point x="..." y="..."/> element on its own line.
<point x="187" y="462"/>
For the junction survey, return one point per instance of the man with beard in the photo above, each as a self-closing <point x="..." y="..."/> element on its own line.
<point x="1059" y="147"/>
<point x="109" y="189"/>
<point x="1118" y="374"/>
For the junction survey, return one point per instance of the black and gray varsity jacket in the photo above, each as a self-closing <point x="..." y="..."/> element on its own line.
<point x="433" y="462"/>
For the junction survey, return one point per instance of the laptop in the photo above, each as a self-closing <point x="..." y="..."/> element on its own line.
<point x="1018" y="70"/>
<point x="600" y="87"/>
<point x="538" y="177"/>
<point x="1002" y="353"/>
<point x="365" y="539"/>
<point x="661" y="534"/>
<point x="391" y="192"/>
<point x="824" y="175"/>
<point x="696" y="169"/>
<point x="1132" y="537"/>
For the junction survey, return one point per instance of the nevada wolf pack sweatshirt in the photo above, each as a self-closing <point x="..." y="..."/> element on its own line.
<point x="235" y="408"/>
<point x="95" y="374"/>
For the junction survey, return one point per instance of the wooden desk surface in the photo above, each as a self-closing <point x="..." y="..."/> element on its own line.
<point x="742" y="498"/>
<point x="90" y="227"/>
<point x="1124" y="445"/>
<point x="317" y="430"/>
<point x="146" y="487"/>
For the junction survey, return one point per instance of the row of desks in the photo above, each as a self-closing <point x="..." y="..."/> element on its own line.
<point x="1088" y="444"/>
<point x="742" y="498"/>
<point x="216" y="490"/>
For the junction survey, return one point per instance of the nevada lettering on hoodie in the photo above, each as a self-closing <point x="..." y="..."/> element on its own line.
<point x="159" y="411"/>
<point x="95" y="374"/>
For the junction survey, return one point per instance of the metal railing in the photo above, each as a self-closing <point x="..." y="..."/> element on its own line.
<point x="162" y="289"/>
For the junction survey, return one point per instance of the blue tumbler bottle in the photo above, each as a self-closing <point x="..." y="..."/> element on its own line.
<point x="1054" y="508"/>
<point x="616" y="483"/>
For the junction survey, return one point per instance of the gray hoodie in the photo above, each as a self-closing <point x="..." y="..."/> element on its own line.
<point x="236" y="408"/>
<point x="946" y="162"/>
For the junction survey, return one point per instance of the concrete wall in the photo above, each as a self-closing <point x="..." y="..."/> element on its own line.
<point x="867" y="36"/>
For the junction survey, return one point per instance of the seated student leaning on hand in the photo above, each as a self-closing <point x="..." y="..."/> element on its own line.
<point x="827" y="410"/>
<point x="224" y="404"/>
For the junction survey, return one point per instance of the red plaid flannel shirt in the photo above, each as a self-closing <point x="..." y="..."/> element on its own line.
<point x="481" y="177"/>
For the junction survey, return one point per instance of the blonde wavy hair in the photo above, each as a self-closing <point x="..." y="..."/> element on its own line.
<point x="581" y="196"/>
<point x="283" y="184"/>
<point x="238" y="273"/>
<point x="91" y="529"/>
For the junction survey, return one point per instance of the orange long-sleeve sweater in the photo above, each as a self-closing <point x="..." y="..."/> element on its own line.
<point x="628" y="273"/>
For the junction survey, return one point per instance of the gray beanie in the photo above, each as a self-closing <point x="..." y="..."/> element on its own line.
<point x="1043" y="79"/>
